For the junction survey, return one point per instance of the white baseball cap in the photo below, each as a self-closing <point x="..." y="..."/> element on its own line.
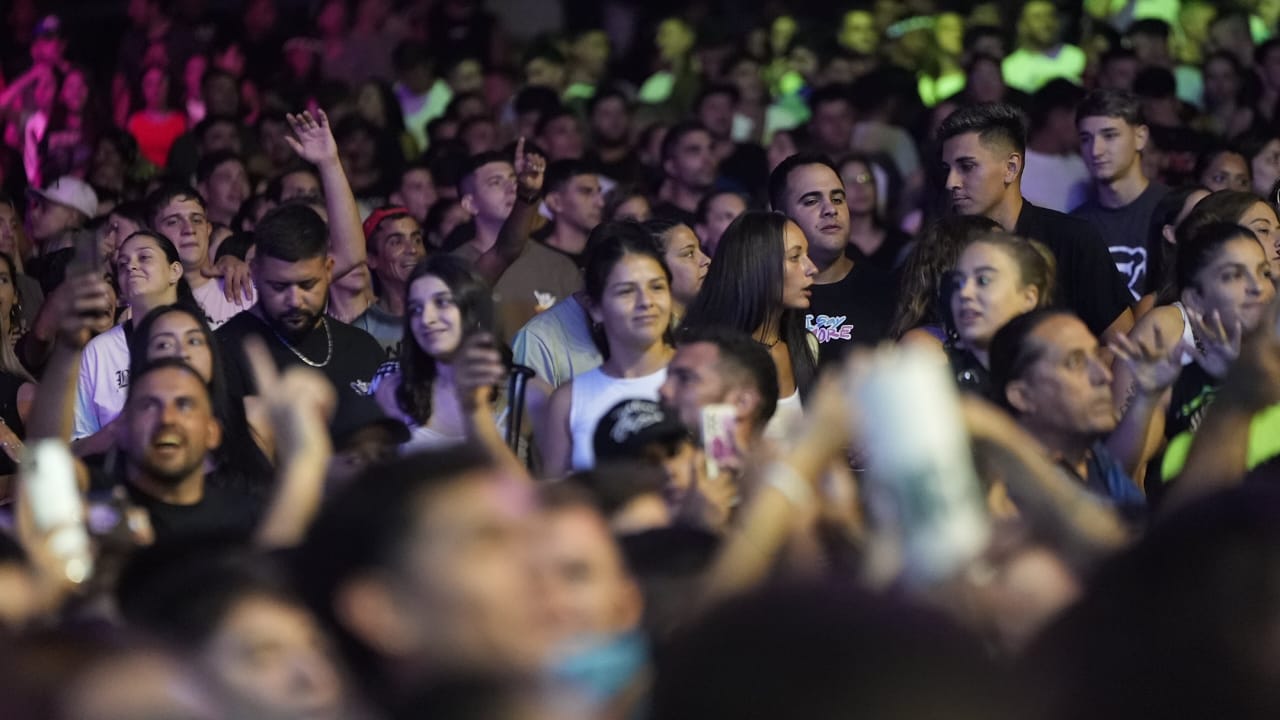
<point x="71" y="192"/>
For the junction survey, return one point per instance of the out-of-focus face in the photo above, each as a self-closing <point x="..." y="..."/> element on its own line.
<point x="584" y="577"/>
<point x="579" y="202"/>
<point x="177" y="335"/>
<point x="781" y="147"/>
<point x="227" y="188"/>
<point x="693" y="164"/>
<point x="832" y="125"/>
<point x="1110" y="146"/>
<point x="635" y="208"/>
<point x="687" y="262"/>
<point x="1040" y="23"/>
<point x="1236" y="283"/>
<point x="716" y="113"/>
<point x="1067" y="389"/>
<point x="75" y="91"/>
<point x="155" y="88"/>
<point x="46" y="219"/>
<point x="858" y="32"/>
<point x="989" y="292"/>
<point x="1266" y="168"/>
<point x="542" y="72"/>
<point x="693" y="382"/>
<point x="798" y="270"/>
<point x="398" y="248"/>
<point x="359" y="151"/>
<point x="978" y="175"/>
<point x="986" y="83"/>
<point x="467" y="77"/>
<point x="271" y="136"/>
<point x="184" y="222"/>
<point x="292" y="294"/>
<point x="674" y="39"/>
<point x="299" y="184"/>
<point x="610" y="122"/>
<point x="562" y="139"/>
<point x="220" y="136"/>
<point x="1221" y="83"/>
<point x="418" y="192"/>
<point x="10" y="230"/>
<point x="860" y="188"/>
<point x="273" y="662"/>
<point x="745" y="75"/>
<point x="436" y="321"/>
<point x="1119" y="74"/>
<point x="591" y="51"/>
<point x="466" y="584"/>
<point x="480" y="136"/>
<point x="721" y="210"/>
<point x="1227" y="171"/>
<point x="493" y="192"/>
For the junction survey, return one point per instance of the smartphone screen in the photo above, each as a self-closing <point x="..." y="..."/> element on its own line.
<point x="86" y="260"/>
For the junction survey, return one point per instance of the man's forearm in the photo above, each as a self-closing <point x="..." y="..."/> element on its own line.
<point x="511" y="241"/>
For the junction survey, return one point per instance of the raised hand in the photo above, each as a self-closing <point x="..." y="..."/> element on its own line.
<point x="529" y="171"/>
<point x="82" y="307"/>
<point x="314" y="142"/>
<point x="1154" y="368"/>
<point x="1219" y="345"/>
<point x="299" y="401"/>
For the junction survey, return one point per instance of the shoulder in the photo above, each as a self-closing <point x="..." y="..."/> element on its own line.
<point x="1167" y="319"/>
<point x="347" y="333"/>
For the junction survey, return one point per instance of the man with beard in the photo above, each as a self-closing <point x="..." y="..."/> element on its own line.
<point x="292" y="272"/>
<point x="165" y="433"/>
<point x="609" y="115"/>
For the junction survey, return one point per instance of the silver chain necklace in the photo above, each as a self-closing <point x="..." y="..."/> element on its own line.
<point x="328" y="356"/>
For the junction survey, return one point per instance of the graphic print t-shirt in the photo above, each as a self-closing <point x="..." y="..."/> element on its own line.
<point x="854" y="311"/>
<point x="1125" y="230"/>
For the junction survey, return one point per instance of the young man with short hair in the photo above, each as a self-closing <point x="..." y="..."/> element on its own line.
<point x="222" y="179"/>
<point x="983" y="154"/>
<point x="831" y="125"/>
<point x="576" y="202"/>
<point x="1112" y="138"/>
<point x="851" y="302"/>
<point x="609" y="122"/>
<point x="689" y="168"/>
<point x="417" y="191"/>
<point x="716" y="211"/>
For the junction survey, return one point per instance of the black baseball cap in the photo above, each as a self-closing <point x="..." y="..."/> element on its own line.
<point x="631" y="426"/>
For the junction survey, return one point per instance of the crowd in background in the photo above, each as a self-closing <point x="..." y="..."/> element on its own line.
<point x="430" y="359"/>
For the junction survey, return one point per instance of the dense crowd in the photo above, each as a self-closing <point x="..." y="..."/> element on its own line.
<point x="398" y="359"/>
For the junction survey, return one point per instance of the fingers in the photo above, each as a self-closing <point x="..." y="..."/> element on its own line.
<point x="262" y="366"/>
<point x="520" y="164"/>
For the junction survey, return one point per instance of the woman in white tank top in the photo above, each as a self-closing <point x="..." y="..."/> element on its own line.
<point x="628" y="289"/>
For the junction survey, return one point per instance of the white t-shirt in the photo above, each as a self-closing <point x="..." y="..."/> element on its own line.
<point x="212" y="297"/>
<point x="104" y="382"/>
<point x="1057" y="182"/>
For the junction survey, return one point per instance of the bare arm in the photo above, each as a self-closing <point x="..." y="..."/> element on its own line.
<point x="556" y="443"/>
<point x="315" y="144"/>
<point x="519" y="224"/>
<point x="82" y="308"/>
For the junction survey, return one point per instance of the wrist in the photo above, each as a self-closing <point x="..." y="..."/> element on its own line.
<point x="528" y="197"/>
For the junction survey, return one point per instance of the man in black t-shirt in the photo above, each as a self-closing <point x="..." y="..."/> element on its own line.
<point x="1112" y="138"/>
<point x="292" y="271"/>
<point x="983" y="147"/>
<point x="165" y="434"/>
<point x="851" y="302"/>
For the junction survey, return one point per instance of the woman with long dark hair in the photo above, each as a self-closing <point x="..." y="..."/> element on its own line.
<point x="628" y="293"/>
<point x="759" y="284"/>
<point x="445" y="303"/>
